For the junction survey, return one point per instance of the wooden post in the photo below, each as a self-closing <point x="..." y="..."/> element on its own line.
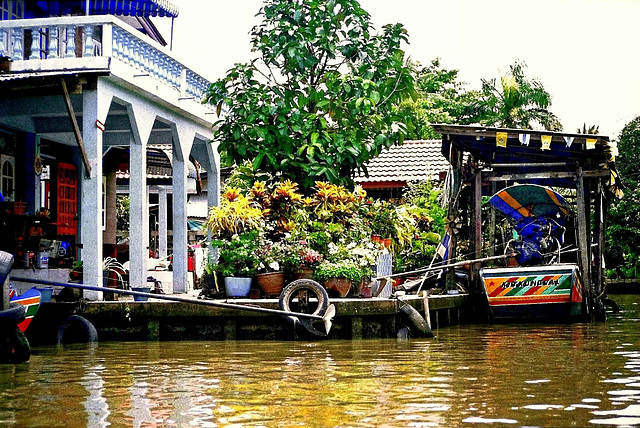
<point x="76" y="128"/>
<point x="598" y="250"/>
<point x="492" y="225"/>
<point x="583" y="240"/>
<point x="356" y="328"/>
<point x="477" y="213"/>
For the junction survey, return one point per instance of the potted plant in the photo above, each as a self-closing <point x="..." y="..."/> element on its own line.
<point x="5" y="64"/>
<point x="112" y="276"/>
<point x="237" y="262"/>
<point x="75" y="274"/>
<point x="270" y="277"/>
<point x="338" y="276"/>
<point x="300" y="259"/>
<point x="210" y="287"/>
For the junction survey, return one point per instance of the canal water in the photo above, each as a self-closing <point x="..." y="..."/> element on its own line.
<point x="487" y="375"/>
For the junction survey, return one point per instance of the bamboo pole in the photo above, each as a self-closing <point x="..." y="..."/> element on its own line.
<point x="178" y="299"/>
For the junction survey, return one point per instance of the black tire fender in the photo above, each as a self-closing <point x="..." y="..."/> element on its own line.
<point x="77" y="329"/>
<point x="304" y="284"/>
<point x="418" y="323"/>
<point x="13" y="315"/>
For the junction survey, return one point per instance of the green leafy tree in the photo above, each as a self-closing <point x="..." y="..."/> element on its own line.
<point x="623" y="223"/>
<point x="592" y="130"/>
<point x="441" y="99"/>
<point x="318" y="101"/>
<point x="513" y="101"/>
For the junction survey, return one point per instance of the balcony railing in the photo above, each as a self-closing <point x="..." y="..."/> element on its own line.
<point x="46" y="39"/>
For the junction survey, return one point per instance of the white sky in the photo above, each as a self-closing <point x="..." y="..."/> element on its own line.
<point x="585" y="52"/>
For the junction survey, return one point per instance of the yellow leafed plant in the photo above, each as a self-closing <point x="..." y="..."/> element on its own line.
<point x="233" y="216"/>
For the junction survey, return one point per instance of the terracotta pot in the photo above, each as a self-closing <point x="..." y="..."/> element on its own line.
<point x="338" y="286"/>
<point x="271" y="283"/>
<point x="356" y="288"/>
<point x="5" y="64"/>
<point x="376" y="238"/>
<point x="303" y="273"/>
<point x="387" y="242"/>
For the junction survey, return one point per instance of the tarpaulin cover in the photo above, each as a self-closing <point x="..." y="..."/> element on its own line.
<point x="529" y="200"/>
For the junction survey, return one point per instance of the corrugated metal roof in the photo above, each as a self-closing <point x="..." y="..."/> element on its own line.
<point x="413" y="160"/>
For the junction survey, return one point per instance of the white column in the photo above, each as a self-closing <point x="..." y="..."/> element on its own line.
<point x="213" y="175"/>
<point x="141" y="124"/>
<point x="138" y="214"/>
<point x="182" y="141"/>
<point x="162" y="222"/>
<point x="180" y="241"/>
<point x="91" y="196"/>
<point x="213" y="187"/>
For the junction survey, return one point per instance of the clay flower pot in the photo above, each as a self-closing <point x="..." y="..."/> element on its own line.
<point x="271" y="283"/>
<point x="303" y="273"/>
<point x="338" y="286"/>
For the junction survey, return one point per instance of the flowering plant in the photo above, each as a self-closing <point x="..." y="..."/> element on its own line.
<point x="237" y="256"/>
<point x="311" y="258"/>
<point x="339" y="269"/>
<point x="297" y="254"/>
<point x="270" y="256"/>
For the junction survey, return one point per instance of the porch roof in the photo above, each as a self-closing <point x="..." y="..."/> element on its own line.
<point x="142" y="8"/>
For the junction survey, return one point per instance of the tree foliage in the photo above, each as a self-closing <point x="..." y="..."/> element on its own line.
<point x="623" y="230"/>
<point x="318" y="101"/>
<point x="514" y="101"/>
<point x="441" y="99"/>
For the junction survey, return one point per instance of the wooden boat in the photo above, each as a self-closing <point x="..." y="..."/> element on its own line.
<point x="30" y="299"/>
<point x="538" y="284"/>
<point x="533" y="292"/>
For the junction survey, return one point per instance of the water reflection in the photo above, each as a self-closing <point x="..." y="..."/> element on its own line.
<point x="532" y="375"/>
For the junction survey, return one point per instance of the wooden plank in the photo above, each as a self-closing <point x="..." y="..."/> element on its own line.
<point x="76" y="129"/>
<point x="583" y="241"/>
<point x="489" y="176"/>
<point x="598" y="251"/>
<point x="477" y="213"/>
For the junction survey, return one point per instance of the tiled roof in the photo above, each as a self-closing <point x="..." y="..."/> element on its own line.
<point x="159" y="163"/>
<point x="413" y="160"/>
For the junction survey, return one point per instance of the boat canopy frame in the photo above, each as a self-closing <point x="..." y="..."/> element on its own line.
<point x="484" y="160"/>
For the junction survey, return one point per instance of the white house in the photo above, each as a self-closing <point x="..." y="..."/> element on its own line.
<point x="82" y="81"/>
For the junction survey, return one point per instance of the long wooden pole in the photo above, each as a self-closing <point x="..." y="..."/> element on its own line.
<point x="443" y="267"/>
<point x="173" y="298"/>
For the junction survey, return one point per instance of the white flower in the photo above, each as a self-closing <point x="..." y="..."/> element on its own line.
<point x="274" y="265"/>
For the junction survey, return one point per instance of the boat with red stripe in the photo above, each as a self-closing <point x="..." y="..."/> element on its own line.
<point x="30" y="299"/>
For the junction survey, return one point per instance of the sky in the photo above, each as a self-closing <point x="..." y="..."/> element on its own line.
<point x="585" y="52"/>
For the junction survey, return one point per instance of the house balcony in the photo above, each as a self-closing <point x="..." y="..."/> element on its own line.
<point x="76" y="44"/>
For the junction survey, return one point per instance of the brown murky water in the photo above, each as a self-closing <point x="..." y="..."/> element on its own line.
<point x="489" y="375"/>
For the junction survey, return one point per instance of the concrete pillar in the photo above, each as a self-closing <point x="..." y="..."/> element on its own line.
<point x="162" y="223"/>
<point x="141" y="124"/>
<point x="110" y="220"/>
<point x="213" y="175"/>
<point x="93" y="107"/>
<point x="180" y="241"/>
<point x="183" y="138"/>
